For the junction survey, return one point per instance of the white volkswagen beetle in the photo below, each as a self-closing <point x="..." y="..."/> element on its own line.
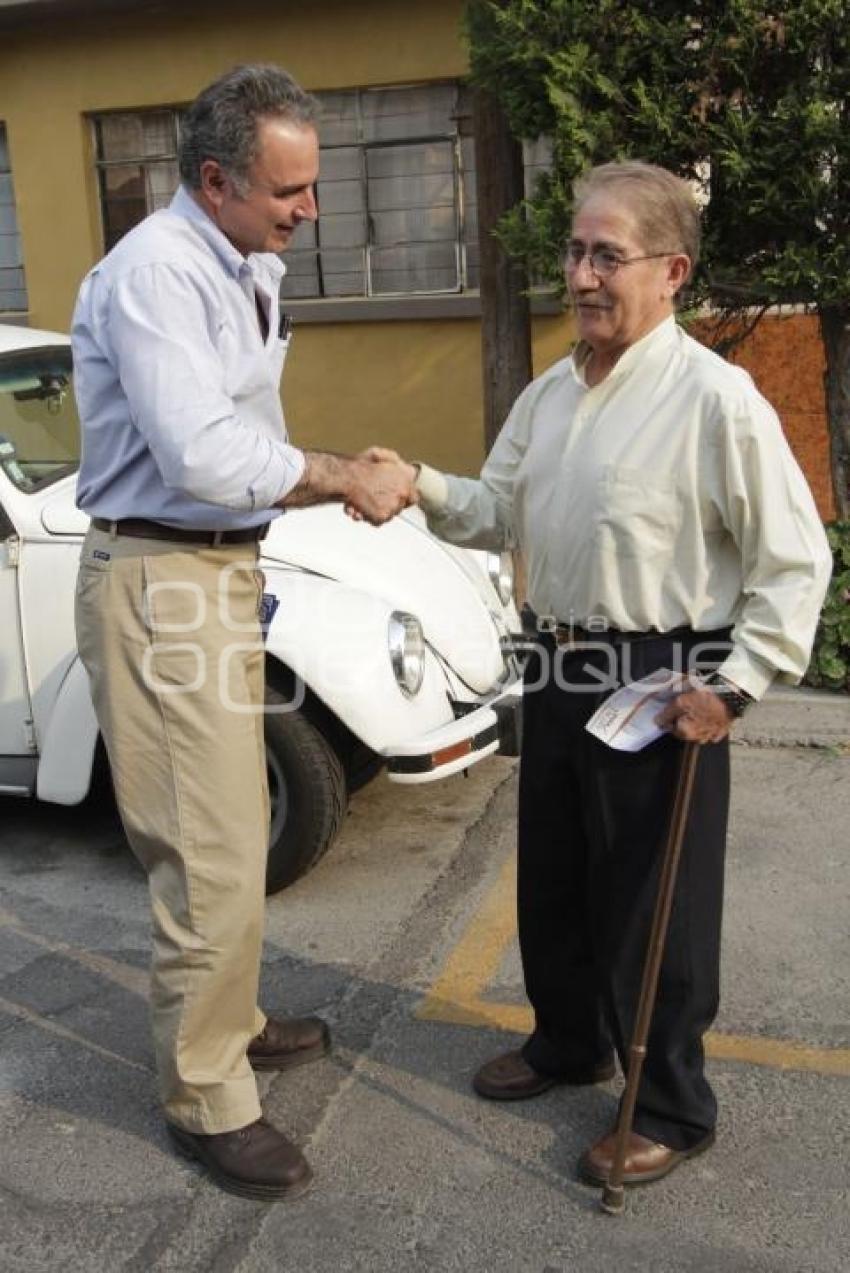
<point x="387" y="647"/>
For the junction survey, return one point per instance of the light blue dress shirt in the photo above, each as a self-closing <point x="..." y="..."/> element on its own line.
<point x="178" y="393"/>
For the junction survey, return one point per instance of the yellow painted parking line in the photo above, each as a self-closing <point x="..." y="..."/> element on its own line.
<point x="457" y="995"/>
<point x="778" y="1054"/>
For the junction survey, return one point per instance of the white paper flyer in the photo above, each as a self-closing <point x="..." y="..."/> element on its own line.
<point x="626" y="720"/>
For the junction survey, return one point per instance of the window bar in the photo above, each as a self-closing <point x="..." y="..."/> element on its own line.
<point x="320" y="267"/>
<point x="460" y="238"/>
<point x="367" y="247"/>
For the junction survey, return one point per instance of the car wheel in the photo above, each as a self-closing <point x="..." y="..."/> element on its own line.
<point x="307" y="791"/>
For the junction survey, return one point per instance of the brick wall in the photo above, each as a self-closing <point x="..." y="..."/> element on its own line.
<point x="785" y="357"/>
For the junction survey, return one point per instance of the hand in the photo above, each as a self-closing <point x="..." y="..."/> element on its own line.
<point x="383" y="486"/>
<point x="374" y="454"/>
<point x="697" y="716"/>
<point x="384" y="455"/>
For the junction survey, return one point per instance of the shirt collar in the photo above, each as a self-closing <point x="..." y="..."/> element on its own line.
<point x="658" y="338"/>
<point x="230" y="258"/>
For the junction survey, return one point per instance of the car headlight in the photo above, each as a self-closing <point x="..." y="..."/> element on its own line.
<point x="500" y="568"/>
<point x="407" y="651"/>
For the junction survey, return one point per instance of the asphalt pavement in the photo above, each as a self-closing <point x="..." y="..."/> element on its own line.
<point x="404" y="939"/>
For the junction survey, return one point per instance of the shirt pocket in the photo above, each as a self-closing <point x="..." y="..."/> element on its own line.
<point x="279" y="350"/>
<point x="637" y="515"/>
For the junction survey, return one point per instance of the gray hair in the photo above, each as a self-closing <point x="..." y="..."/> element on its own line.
<point x="222" y="121"/>
<point x="663" y="204"/>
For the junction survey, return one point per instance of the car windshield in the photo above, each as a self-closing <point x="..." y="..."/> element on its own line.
<point x="39" y="429"/>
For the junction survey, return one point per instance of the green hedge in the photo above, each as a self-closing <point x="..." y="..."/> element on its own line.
<point x="830" y="664"/>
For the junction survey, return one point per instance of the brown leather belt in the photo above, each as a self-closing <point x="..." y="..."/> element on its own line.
<point x="139" y="528"/>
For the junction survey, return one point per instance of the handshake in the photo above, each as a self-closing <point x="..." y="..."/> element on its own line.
<point x="381" y="485"/>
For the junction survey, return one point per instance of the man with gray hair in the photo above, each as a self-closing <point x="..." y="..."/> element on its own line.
<point x="665" y="525"/>
<point x="185" y="461"/>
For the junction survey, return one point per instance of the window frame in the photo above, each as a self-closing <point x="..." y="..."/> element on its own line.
<point x="461" y="300"/>
<point x="102" y="165"/>
<point x="369" y="246"/>
<point x="13" y="234"/>
<point x="363" y="146"/>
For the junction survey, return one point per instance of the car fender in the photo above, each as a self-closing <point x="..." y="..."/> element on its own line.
<point x="67" y="751"/>
<point x="335" y="640"/>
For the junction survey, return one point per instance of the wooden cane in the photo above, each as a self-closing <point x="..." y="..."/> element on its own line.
<point x="612" y="1200"/>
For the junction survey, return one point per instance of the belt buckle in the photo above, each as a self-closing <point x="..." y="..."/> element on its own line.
<point x="561" y="633"/>
<point x="565" y="640"/>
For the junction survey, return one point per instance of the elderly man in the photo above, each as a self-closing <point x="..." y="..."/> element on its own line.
<point x="178" y="356"/>
<point x="664" y="523"/>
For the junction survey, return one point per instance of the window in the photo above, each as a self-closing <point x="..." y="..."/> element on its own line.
<point x="396" y="190"/>
<point x="137" y="167"/>
<point x="39" y="428"/>
<point x="13" y="292"/>
<point x="396" y="197"/>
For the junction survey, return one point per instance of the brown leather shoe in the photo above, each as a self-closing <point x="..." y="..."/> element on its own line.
<point x="256" y="1161"/>
<point x="285" y="1044"/>
<point x="646" y="1160"/>
<point x="509" y="1077"/>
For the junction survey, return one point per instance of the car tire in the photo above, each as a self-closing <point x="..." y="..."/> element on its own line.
<point x="307" y="790"/>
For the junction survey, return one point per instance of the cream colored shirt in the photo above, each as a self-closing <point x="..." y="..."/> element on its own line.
<point x="664" y="496"/>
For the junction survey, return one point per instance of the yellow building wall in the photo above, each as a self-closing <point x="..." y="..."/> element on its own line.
<point x="417" y="384"/>
<point x="52" y="75"/>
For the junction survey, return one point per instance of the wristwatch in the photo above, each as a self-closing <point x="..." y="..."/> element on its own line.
<point x="737" y="700"/>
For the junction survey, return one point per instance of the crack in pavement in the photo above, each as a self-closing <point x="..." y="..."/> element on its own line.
<point x="124" y="975"/>
<point x="62" y="1032"/>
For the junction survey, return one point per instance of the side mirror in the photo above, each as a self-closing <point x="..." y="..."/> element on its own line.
<point x="50" y="389"/>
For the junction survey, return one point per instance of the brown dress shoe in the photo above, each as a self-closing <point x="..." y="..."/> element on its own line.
<point x="646" y="1160"/>
<point x="284" y="1044"/>
<point x="256" y="1161"/>
<point x="509" y="1077"/>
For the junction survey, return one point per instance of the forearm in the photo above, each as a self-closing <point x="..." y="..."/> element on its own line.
<point x="374" y="488"/>
<point x="327" y="478"/>
<point x="464" y="511"/>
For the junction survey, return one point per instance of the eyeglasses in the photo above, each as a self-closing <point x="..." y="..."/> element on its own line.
<point x="604" y="261"/>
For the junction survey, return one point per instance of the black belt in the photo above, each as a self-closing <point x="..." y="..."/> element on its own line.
<point x="139" y="528"/>
<point x="571" y="635"/>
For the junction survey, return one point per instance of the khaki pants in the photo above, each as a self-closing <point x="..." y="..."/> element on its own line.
<point x="169" y="636"/>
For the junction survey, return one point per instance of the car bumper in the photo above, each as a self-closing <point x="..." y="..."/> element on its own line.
<point x="494" y="727"/>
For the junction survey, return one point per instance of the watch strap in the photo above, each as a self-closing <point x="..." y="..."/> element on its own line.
<point x="737" y="700"/>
